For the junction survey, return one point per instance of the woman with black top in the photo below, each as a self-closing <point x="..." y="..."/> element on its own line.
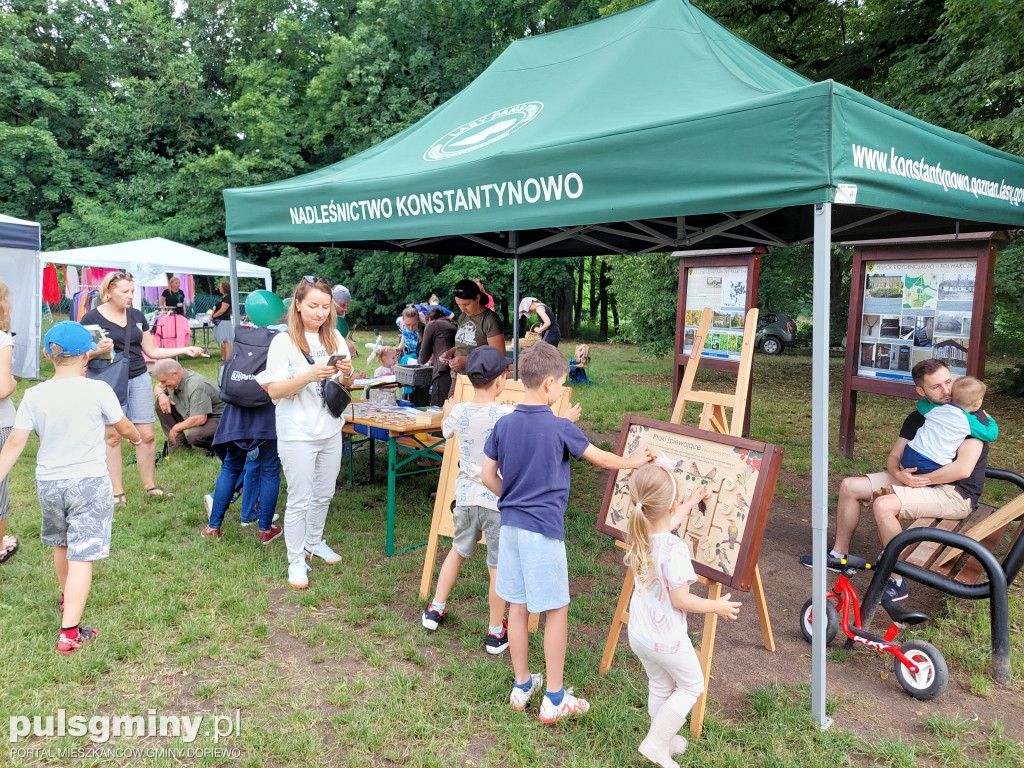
<point x="173" y="298"/>
<point x="548" y="328"/>
<point x="223" y="329"/>
<point x="438" y="338"/>
<point x="127" y="333"/>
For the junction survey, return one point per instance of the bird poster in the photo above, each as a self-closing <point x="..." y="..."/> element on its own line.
<point x="724" y="531"/>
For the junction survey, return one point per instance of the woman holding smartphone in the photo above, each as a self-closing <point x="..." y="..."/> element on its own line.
<point x="308" y="436"/>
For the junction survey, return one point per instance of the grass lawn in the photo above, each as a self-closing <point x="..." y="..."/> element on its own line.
<point x="342" y="674"/>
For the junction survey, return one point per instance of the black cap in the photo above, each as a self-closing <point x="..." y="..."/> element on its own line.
<point x="467" y="289"/>
<point x="486" y="363"/>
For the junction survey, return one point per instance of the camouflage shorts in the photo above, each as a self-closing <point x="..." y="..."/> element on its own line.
<point x="77" y="514"/>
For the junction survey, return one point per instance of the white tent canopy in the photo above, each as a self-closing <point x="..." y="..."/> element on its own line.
<point x="150" y="260"/>
<point x="23" y="274"/>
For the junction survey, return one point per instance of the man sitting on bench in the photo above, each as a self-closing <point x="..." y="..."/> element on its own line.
<point x="951" y="491"/>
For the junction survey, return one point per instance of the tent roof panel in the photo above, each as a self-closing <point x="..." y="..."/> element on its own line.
<point x="657" y="112"/>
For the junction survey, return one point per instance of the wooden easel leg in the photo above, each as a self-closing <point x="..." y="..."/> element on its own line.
<point x="533" y="623"/>
<point x="762" y="610"/>
<point x="429" y="561"/>
<point x="621" y="617"/>
<point x="707" y="650"/>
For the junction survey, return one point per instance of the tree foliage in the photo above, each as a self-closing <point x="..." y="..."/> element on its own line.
<point x="126" y="120"/>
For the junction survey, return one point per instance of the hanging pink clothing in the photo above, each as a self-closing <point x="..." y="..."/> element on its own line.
<point x="51" y="286"/>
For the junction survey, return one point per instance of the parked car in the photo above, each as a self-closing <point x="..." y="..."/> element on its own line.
<point x="775" y="332"/>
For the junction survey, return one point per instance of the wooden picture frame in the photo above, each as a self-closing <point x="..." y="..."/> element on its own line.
<point x="724" y="533"/>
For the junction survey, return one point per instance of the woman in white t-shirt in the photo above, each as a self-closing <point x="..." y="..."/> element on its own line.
<point x="8" y="544"/>
<point x="308" y="436"/>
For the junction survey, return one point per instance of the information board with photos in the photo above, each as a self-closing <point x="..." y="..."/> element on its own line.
<point x="914" y="310"/>
<point x="724" y="290"/>
<point x="914" y="299"/>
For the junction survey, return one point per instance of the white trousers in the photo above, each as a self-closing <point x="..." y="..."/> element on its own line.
<point x="675" y="678"/>
<point x="311" y="469"/>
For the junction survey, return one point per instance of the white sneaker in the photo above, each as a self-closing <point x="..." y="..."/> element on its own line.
<point x="521" y="698"/>
<point x="247" y="523"/>
<point x="324" y="552"/>
<point x="208" y="501"/>
<point x="570" y="706"/>
<point x="298" y="574"/>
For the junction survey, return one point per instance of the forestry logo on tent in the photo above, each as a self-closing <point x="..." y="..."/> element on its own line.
<point x="482" y="131"/>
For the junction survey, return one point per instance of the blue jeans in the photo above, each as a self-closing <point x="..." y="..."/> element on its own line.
<point x="262" y="488"/>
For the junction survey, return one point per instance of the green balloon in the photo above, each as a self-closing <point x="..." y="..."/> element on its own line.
<point x="264" y="307"/>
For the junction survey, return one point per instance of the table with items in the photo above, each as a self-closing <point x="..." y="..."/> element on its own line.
<point x="411" y="428"/>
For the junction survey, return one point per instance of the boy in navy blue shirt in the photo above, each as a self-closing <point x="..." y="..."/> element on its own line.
<point x="530" y="448"/>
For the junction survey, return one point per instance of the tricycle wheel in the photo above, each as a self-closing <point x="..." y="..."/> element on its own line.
<point x="831" y="621"/>
<point x="932" y="676"/>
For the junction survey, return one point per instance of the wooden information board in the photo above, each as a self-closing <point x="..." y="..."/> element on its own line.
<point x="914" y="299"/>
<point x="726" y="282"/>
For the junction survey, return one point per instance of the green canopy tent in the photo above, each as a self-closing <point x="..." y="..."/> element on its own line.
<point x="655" y="129"/>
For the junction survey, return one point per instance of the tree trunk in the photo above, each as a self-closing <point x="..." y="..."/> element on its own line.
<point x="581" y="273"/>
<point x="593" y="286"/>
<point x="615" y="313"/>
<point x="603" y="290"/>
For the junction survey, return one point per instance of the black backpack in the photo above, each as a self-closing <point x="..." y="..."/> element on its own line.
<point x="237" y="374"/>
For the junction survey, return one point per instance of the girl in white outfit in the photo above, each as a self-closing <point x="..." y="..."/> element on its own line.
<point x="308" y="436"/>
<point x="661" y="599"/>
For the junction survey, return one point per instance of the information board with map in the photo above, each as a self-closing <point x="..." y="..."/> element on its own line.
<point x="913" y="310"/>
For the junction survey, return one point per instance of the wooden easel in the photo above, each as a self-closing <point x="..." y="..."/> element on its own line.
<point x="442" y="523"/>
<point x="713" y="417"/>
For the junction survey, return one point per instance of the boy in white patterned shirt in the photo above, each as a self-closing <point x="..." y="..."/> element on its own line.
<point x="476" y="508"/>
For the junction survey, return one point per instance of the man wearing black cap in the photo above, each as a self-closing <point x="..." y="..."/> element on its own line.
<point x="477" y="325"/>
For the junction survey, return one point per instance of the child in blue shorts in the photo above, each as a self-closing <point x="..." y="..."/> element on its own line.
<point x="70" y="413"/>
<point x="530" y="449"/>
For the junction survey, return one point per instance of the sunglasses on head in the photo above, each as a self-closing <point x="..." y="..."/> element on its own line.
<point x="123" y="276"/>
<point x="314" y="280"/>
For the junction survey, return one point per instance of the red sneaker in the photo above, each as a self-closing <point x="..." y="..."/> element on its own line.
<point x="66" y="646"/>
<point x="268" y="536"/>
<point x="211" y="533"/>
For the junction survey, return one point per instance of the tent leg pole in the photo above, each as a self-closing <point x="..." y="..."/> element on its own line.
<point x="819" y="451"/>
<point x="236" y="310"/>
<point x="513" y="243"/>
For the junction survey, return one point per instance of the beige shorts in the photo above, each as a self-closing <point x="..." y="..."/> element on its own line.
<point x="931" y="501"/>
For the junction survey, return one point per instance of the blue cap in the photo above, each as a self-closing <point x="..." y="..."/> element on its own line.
<point x="486" y="363"/>
<point x="71" y="337"/>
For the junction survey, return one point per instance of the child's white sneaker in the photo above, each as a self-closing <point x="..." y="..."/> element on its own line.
<point x="550" y="713"/>
<point x="521" y="698"/>
<point x="298" y="575"/>
<point x="324" y="552"/>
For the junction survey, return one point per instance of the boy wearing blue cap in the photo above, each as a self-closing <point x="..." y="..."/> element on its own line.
<point x="69" y="413"/>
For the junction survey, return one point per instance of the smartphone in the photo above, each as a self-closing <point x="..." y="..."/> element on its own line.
<point x="333" y="359"/>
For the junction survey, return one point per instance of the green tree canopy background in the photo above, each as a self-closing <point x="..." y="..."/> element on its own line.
<point x="125" y="120"/>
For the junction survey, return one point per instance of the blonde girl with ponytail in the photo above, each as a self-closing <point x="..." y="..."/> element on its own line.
<point x="661" y="599"/>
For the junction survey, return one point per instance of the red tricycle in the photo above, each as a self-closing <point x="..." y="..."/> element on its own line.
<point x="919" y="666"/>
